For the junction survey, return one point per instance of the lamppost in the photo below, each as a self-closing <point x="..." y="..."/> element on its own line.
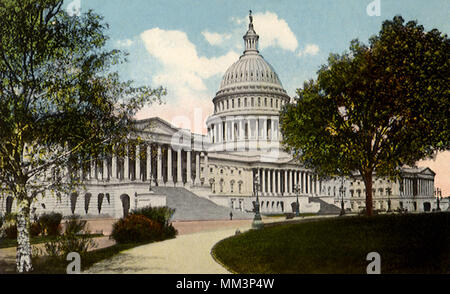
<point x="342" y="192"/>
<point x="389" y="199"/>
<point x="437" y="191"/>
<point x="257" y="221"/>
<point x="297" y="205"/>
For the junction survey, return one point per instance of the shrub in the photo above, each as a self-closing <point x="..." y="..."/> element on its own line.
<point x="136" y="228"/>
<point x="75" y="225"/>
<point x="169" y="232"/>
<point x="161" y="215"/>
<point x="51" y="223"/>
<point x="74" y="239"/>
<point x="35" y="229"/>
<point x="11" y="232"/>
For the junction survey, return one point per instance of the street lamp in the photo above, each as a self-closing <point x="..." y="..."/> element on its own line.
<point x="257" y="221"/>
<point x="297" y="206"/>
<point x="389" y="191"/>
<point x="342" y="192"/>
<point x="437" y="199"/>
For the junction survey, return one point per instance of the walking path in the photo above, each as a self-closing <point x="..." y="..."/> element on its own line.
<point x="188" y="253"/>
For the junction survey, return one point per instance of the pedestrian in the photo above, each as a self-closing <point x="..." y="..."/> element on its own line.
<point x="231" y="215"/>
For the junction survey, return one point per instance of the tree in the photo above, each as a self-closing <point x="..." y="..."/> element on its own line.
<point x="374" y="109"/>
<point x="61" y="103"/>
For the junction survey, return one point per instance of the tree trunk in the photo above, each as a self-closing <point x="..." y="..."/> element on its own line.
<point x="23" y="256"/>
<point x="369" y="201"/>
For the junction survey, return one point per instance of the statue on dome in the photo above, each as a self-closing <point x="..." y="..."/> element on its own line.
<point x="250" y="16"/>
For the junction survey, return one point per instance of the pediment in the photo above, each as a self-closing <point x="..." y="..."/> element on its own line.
<point x="427" y="171"/>
<point x="156" y="125"/>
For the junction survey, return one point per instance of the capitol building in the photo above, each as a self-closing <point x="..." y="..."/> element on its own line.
<point x="240" y="154"/>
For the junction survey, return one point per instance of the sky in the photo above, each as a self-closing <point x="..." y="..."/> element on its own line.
<point x="186" y="46"/>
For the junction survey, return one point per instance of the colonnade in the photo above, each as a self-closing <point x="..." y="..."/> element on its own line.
<point x="424" y="187"/>
<point x="156" y="163"/>
<point x="282" y="182"/>
<point x="234" y="128"/>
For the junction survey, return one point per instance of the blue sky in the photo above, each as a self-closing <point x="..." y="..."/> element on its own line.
<point x="328" y="25"/>
<point x="186" y="46"/>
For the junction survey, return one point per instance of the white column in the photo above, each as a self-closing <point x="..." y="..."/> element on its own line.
<point x="265" y="129"/>
<point x="126" y="166"/>
<point x="279" y="181"/>
<point x="188" y="168"/>
<point x="113" y="166"/>
<point x="290" y="181"/>
<point x="138" y="163"/>
<point x="105" y="169"/>
<point x="286" y="190"/>
<point x="273" y="187"/>
<point x="179" y="177"/>
<point x="149" y="163"/>
<point x="241" y="129"/>
<point x="272" y="129"/>
<point x="263" y="182"/>
<point x="206" y="166"/>
<point x="92" y="171"/>
<point x="169" y="165"/>
<point x="257" y="128"/>
<point x="295" y="178"/>
<point x="159" y="166"/>
<point x="197" y="168"/>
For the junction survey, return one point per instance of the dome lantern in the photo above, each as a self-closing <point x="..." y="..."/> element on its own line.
<point x="251" y="38"/>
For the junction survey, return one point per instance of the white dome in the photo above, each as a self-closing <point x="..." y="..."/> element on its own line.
<point x="250" y="69"/>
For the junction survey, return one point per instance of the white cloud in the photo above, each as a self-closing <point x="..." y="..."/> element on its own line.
<point x="273" y="31"/>
<point x="183" y="72"/>
<point x="125" y="43"/>
<point x="310" y="49"/>
<point x="215" y="38"/>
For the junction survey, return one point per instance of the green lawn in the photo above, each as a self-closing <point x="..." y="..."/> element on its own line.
<point x="411" y="243"/>
<point x="52" y="265"/>
<point x="5" y="243"/>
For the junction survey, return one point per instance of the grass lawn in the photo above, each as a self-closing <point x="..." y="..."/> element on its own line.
<point x="52" y="265"/>
<point x="5" y="243"/>
<point x="411" y="243"/>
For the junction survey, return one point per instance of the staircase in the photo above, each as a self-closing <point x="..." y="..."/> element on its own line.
<point x="189" y="206"/>
<point x="325" y="208"/>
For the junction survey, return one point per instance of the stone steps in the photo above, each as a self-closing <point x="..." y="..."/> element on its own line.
<point x="190" y="207"/>
<point x="325" y="208"/>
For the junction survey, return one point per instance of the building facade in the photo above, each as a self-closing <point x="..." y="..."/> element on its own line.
<point x="239" y="155"/>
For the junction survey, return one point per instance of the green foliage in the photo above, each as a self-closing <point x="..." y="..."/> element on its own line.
<point x="136" y="228"/>
<point x="162" y="215"/>
<point x="75" y="239"/>
<point x="50" y="223"/>
<point x="11" y="232"/>
<point x="75" y="226"/>
<point x="376" y="108"/>
<point x="61" y="100"/>
<point x="35" y="229"/>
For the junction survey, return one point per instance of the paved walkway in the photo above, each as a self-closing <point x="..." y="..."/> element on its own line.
<point x="188" y="253"/>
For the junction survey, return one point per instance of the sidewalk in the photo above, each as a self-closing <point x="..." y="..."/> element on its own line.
<point x="188" y="253"/>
